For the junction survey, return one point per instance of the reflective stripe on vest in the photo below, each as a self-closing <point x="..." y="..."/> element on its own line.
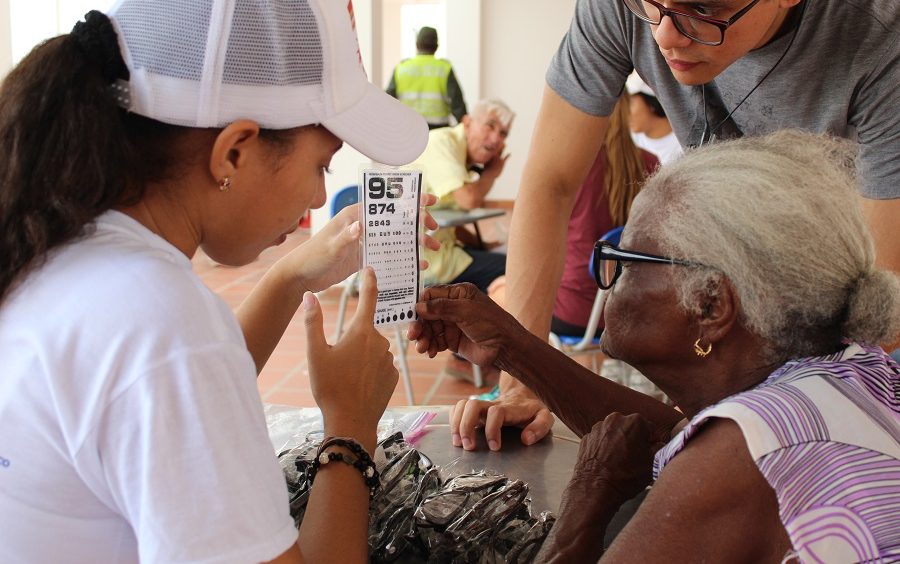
<point x="422" y="85"/>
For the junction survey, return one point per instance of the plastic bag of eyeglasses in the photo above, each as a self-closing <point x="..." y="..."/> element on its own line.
<point x="407" y="476"/>
<point x="290" y="426"/>
<point x="519" y="540"/>
<point x="444" y="520"/>
<point x="295" y="463"/>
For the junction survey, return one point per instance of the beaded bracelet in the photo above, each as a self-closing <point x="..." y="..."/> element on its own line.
<point x="362" y="462"/>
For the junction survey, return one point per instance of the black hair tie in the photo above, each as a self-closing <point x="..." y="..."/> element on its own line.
<point x="99" y="40"/>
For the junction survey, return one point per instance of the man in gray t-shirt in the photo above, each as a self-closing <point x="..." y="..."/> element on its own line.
<point x="825" y="66"/>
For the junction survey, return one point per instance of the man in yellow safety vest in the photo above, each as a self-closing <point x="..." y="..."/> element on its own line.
<point x="427" y="84"/>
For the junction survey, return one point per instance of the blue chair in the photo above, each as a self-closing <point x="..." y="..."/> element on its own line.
<point x="346" y="196"/>
<point x="588" y="343"/>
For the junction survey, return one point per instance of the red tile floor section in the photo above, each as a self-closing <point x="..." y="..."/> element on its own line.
<point x="285" y="378"/>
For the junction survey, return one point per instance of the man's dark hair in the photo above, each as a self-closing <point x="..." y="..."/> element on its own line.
<point x="427" y="40"/>
<point x="654" y="105"/>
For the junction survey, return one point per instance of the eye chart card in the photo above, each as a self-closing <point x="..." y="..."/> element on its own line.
<point x="391" y="216"/>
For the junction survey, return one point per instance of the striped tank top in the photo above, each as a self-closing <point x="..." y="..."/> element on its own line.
<point x="825" y="434"/>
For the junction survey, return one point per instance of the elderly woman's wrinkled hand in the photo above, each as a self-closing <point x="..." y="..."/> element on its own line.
<point x="462" y="319"/>
<point x="618" y="452"/>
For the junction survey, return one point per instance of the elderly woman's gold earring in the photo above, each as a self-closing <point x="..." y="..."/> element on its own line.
<point x="701" y="352"/>
<point x="225" y="184"/>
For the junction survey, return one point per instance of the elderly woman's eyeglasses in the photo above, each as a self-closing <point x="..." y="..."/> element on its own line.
<point x="702" y="29"/>
<point x="607" y="259"/>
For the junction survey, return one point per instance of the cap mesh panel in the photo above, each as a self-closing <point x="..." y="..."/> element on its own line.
<point x="166" y="38"/>
<point x="260" y="30"/>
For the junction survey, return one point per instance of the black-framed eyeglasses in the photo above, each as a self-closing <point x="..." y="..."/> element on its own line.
<point x="607" y="259"/>
<point x="697" y="27"/>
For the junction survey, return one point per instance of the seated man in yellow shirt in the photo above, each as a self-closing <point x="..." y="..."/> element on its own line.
<point x="447" y="161"/>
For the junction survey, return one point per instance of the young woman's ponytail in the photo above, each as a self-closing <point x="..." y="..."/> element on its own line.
<point x="66" y="156"/>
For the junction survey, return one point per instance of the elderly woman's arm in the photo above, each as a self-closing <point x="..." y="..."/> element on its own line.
<point x="462" y="319"/>
<point x="710" y="503"/>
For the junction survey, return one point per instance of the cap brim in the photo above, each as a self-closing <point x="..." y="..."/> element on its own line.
<point x="381" y="128"/>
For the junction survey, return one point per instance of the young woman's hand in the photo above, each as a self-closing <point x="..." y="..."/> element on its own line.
<point x="353" y="379"/>
<point x="332" y="254"/>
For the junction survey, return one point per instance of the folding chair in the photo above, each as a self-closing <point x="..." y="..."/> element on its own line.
<point x="587" y="344"/>
<point x="344" y="197"/>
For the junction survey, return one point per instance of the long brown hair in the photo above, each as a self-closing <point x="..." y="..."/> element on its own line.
<point x="69" y="153"/>
<point x="625" y="170"/>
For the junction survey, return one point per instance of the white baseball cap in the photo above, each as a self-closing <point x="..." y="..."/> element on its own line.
<point x="281" y="63"/>
<point x="636" y="85"/>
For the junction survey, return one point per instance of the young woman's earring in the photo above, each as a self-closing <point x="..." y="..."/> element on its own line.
<point x="225" y="184"/>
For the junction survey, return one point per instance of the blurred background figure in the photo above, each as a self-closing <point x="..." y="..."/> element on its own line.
<point x="602" y="203"/>
<point x="427" y="84"/>
<point x="460" y="166"/>
<point x="450" y="164"/>
<point x="650" y="128"/>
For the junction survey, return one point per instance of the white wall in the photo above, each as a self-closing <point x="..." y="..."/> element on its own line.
<point x="518" y="39"/>
<point x="5" y="39"/>
<point x="464" y="45"/>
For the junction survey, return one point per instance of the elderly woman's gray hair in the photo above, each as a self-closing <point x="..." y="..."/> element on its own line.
<point x="779" y="217"/>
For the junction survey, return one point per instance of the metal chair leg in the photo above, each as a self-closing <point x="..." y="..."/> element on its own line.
<point x="342" y="305"/>
<point x="476" y="373"/>
<point x="404" y="367"/>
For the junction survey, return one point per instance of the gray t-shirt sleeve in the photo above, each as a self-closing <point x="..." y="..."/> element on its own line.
<point x="876" y="116"/>
<point x="594" y="58"/>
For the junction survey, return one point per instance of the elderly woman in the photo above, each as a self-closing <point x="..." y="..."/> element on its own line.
<point x="745" y="290"/>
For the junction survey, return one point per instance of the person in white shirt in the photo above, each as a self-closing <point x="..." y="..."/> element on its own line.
<point x="650" y="128"/>
<point x="131" y="427"/>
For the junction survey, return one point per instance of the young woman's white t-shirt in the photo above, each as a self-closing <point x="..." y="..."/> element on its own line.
<point x="131" y="427"/>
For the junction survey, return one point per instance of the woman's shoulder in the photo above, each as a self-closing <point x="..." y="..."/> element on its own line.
<point x="116" y="284"/>
<point x="849" y="397"/>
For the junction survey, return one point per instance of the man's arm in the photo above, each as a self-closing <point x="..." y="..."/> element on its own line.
<point x="883" y="218"/>
<point x="392" y="86"/>
<point x="454" y="92"/>
<point x="563" y="147"/>
<point x="472" y="194"/>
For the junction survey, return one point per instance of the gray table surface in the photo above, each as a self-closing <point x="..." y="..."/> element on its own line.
<point x="454" y="218"/>
<point x="546" y="466"/>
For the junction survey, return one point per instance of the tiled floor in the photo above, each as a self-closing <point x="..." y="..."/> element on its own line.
<point x="285" y="378"/>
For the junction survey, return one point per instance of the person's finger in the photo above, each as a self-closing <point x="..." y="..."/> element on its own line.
<point x="439" y="337"/>
<point x="347" y="214"/>
<point x="312" y="319"/>
<point x="352" y="232"/>
<point x="493" y="425"/>
<point x="429" y="200"/>
<point x="538" y="428"/>
<point x="441" y="308"/>
<point x="368" y="294"/>
<point x="471" y="420"/>
<point x="430" y="242"/>
<point x="414" y="331"/>
<point x="430" y="223"/>
<point x="455" y="417"/>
